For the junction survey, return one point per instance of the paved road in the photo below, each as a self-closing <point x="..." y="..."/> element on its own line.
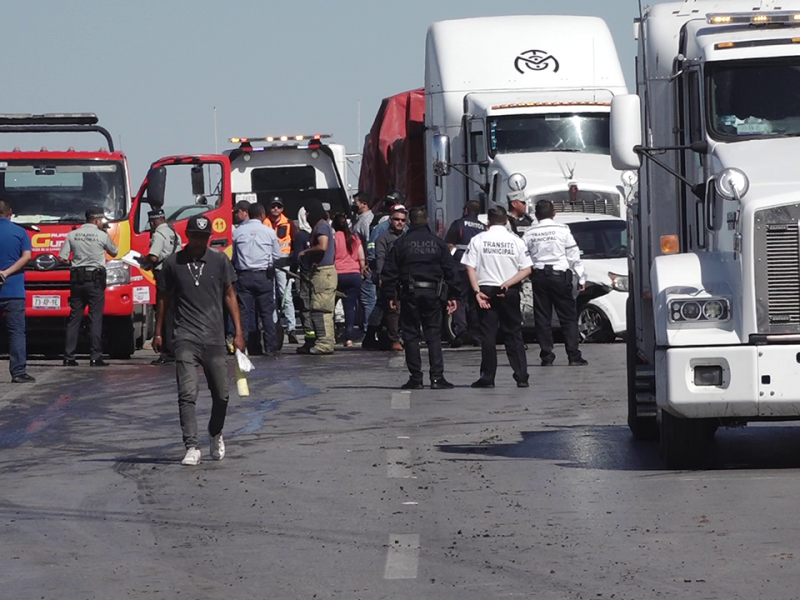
<point x="337" y="485"/>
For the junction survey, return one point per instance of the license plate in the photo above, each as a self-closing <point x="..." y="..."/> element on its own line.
<point x="47" y="302"/>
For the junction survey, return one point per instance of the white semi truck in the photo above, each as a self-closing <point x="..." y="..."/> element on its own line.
<point x="520" y="105"/>
<point x="714" y="309"/>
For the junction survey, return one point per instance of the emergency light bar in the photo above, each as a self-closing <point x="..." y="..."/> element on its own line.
<point x="783" y="17"/>
<point x="279" y="138"/>
<point x="532" y="104"/>
<point x="49" y="119"/>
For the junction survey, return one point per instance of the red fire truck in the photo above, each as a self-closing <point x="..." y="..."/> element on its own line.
<point x="50" y="190"/>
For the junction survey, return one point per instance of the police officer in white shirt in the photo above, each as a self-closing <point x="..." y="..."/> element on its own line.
<point x="556" y="261"/>
<point x="497" y="261"/>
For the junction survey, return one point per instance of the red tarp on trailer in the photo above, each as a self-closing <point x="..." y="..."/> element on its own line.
<point x="394" y="150"/>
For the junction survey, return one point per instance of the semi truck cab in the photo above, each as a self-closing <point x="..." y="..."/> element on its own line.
<point x="715" y="256"/>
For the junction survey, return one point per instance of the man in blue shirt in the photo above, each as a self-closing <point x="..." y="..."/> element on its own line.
<point x="256" y="250"/>
<point x="15" y="252"/>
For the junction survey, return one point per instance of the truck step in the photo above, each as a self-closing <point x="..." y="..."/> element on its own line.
<point x="645" y="372"/>
<point x="645" y="398"/>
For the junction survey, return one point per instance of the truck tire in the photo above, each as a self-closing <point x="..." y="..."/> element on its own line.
<point x="642" y="428"/>
<point x="684" y="442"/>
<point x="120" y="338"/>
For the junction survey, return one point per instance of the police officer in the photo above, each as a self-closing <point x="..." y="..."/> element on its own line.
<point x="518" y="218"/>
<point x="556" y="261"/>
<point x="164" y="242"/>
<point x="497" y="261"/>
<point x="420" y="267"/>
<point x="466" y="324"/>
<point x="87" y="278"/>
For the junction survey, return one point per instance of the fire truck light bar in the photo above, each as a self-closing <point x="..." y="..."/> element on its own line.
<point x="533" y="104"/>
<point x="280" y="138"/>
<point x="754" y="18"/>
<point x="49" y="119"/>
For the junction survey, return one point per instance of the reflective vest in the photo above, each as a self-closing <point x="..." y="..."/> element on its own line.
<point x="284" y="232"/>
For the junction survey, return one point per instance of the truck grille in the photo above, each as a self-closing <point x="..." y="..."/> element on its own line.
<point x="587" y="201"/>
<point x="783" y="275"/>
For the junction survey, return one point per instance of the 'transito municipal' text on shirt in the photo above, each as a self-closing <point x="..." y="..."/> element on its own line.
<point x="497" y="255"/>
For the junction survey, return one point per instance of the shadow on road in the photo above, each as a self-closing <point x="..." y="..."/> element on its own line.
<point x="610" y="447"/>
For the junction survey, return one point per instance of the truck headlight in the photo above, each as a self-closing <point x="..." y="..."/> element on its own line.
<point x="706" y="310"/>
<point x="619" y="282"/>
<point x="117" y="273"/>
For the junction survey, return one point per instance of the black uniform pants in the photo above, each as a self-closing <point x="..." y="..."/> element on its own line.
<point x="257" y="293"/>
<point x="466" y="322"/>
<point x="506" y="314"/>
<point x="553" y="290"/>
<point x="81" y="295"/>
<point x="422" y="309"/>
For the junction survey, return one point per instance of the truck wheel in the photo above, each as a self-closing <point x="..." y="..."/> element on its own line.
<point x="593" y="325"/>
<point x="120" y="339"/>
<point x="683" y="441"/>
<point x="642" y="428"/>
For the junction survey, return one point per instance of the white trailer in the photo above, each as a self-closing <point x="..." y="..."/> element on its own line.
<point x="520" y="105"/>
<point x="714" y="309"/>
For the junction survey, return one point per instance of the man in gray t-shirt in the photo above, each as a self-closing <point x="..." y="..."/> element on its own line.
<point x="197" y="282"/>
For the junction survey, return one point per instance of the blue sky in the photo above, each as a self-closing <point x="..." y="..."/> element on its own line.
<point x="153" y="71"/>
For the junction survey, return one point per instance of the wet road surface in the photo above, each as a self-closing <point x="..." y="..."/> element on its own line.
<point x="338" y="485"/>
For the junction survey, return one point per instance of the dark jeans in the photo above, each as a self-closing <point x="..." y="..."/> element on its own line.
<point x="368" y="297"/>
<point x="466" y="321"/>
<point x="350" y="285"/>
<point x="12" y="316"/>
<point x="257" y="292"/>
<point x="81" y="295"/>
<point x="505" y="313"/>
<point x="553" y="289"/>
<point x="167" y="350"/>
<point x="423" y="308"/>
<point x="213" y="359"/>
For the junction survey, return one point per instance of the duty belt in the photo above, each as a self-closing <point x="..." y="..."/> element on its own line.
<point x="426" y="285"/>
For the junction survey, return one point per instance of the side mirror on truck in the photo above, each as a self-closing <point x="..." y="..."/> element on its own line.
<point x="156" y="186"/>
<point x="198" y="181"/>
<point x="626" y="132"/>
<point x="441" y="154"/>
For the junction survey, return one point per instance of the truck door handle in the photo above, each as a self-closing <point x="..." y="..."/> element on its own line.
<point x="219" y="243"/>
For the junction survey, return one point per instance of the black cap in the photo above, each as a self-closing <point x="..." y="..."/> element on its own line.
<point x="199" y="224"/>
<point x="95" y="212"/>
<point x="276" y="201"/>
<point x="157" y="213"/>
<point x="241" y="205"/>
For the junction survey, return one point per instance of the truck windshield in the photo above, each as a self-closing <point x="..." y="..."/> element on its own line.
<point x="565" y="132"/>
<point x="751" y="99"/>
<point x="60" y="191"/>
<point x="601" y="239"/>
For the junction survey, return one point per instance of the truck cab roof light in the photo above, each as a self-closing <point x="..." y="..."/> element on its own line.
<point x="536" y="104"/>
<point x="280" y="138"/>
<point x="756" y="43"/>
<point x="782" y="17"/>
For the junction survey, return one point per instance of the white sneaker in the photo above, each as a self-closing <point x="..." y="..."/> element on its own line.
<point x="192" y="457"/>
<point x="217" y="447"/>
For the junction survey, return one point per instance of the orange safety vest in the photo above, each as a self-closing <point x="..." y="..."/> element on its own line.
<point x="284" y="232"/>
